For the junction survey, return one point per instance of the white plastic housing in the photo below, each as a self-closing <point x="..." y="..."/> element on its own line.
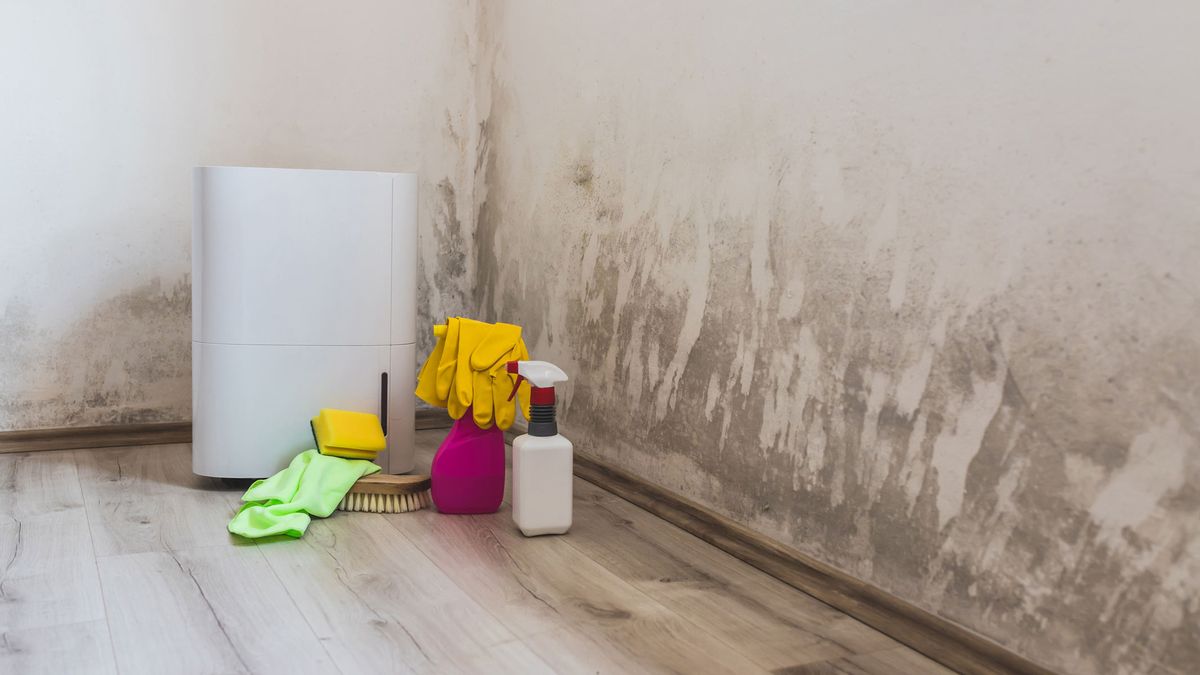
<point x="303" y="295"/>
<point x="542" y="484"/>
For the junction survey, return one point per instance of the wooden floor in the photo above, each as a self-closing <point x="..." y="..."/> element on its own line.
<point x="117" y="560"/>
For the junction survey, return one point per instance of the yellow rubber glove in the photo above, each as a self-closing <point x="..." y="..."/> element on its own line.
<point x="462" y="391"/>
<point x="468" y="369"/>
<point x="492" y="384"/>
<point x="427" y="389"/>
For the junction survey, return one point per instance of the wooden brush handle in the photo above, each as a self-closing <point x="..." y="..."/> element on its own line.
<point x="386" y="484"/>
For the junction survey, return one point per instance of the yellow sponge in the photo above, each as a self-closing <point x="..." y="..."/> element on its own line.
<point x="353" y="435"/>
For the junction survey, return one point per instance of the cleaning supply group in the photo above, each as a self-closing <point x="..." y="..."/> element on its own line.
<point x="480" y="372"/>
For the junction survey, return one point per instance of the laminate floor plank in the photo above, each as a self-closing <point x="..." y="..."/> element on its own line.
<point x="380" y="605"/>
<point x="598" y="635"/>
<point x="467" y="551"/>
<point x="74" y="648"/>
<point x="254" y="610"/>
<point x="47" y="567"/>
<point x="160" y="619"/>
<point x="146" y="498"/>
<point x="540" y="583"/>
<point x="772" y="623"/>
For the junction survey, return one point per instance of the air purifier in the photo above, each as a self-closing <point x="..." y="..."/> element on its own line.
<point x="303" y="297"/>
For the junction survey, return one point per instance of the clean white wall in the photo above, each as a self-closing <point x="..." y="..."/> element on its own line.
<point x="105" y="107"/>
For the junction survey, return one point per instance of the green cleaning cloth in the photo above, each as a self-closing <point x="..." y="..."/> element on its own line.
<point x="313" y="484"/>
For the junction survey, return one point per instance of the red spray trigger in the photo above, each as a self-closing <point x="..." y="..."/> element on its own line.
<point x="514" y="367"/>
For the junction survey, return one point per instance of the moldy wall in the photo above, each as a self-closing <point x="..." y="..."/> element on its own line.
<point x="911" y="288"/>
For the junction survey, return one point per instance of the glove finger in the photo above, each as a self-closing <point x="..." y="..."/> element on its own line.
<point x="448" y="361"/>
<point x="470" y="333"/>
<point x="427" y="380"/>
<point x="456" y="408"/>
<point x="496" y="343"/>
<point x="483" y="399"/>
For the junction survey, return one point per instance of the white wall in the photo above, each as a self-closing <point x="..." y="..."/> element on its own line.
<point x="104" y="109"/>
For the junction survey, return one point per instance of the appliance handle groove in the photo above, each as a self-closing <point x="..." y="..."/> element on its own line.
<point x="383" y="401"/>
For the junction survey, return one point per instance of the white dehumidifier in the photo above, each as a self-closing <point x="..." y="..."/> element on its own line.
<point x="303" y="297"/>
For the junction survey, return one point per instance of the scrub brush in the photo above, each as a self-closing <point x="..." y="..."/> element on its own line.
<point x="384" y="493"/>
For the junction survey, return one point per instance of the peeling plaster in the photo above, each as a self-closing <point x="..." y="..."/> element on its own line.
<point x="1156" y="467"/>
<point x="951" y="450"/>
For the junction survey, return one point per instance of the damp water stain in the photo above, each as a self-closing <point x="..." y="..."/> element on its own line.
<point x="127" y="360"/>
<point x="819" y="352"/>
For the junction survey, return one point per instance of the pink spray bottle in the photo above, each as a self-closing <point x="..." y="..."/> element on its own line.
<point x="468" y="469"/>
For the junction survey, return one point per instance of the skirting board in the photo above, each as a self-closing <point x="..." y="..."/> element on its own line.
<point x="71" y="438"/>
<point x="939" y="639"/>
<point x="433" y="418"/>
<point x="74" y="438"/>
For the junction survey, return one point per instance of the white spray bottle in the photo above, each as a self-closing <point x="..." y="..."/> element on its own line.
<point x="542" y="459"/>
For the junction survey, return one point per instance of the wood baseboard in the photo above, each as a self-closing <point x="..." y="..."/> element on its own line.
<point x="433" y="418"/>
<point x="941" y="640"/>
<point x="71" y="438"/>
<point x="113" y="435"/>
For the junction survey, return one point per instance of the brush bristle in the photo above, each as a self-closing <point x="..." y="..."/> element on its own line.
<point x="372" y="503"/>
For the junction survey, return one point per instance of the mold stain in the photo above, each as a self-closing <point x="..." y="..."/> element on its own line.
<point x="128" y="360"/>
<point x="810" y="367"/>
<point x="445" y="265"/>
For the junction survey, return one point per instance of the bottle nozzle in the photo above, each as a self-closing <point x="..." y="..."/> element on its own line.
<point x="541" y="374"/>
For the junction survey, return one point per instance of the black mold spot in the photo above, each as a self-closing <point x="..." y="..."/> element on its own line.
<point x="583" y="175"/>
